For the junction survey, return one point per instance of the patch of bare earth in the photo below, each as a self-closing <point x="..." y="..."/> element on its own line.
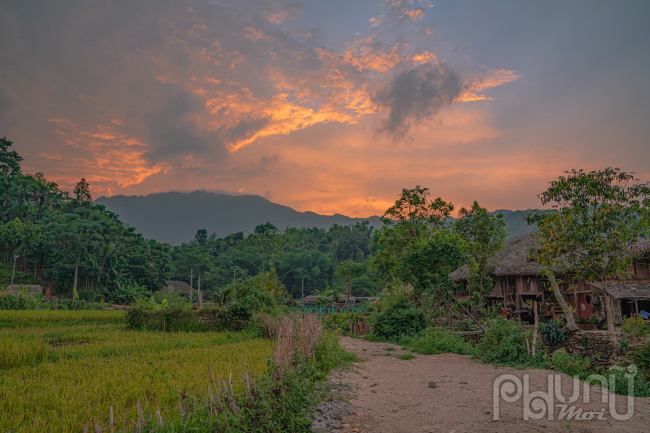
<point x="393" y="395"/>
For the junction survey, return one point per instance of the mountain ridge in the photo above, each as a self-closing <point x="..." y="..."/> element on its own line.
<point x="174" y="217"/>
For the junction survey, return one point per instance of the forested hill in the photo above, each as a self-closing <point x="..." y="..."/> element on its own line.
<point x="174" y="217"/>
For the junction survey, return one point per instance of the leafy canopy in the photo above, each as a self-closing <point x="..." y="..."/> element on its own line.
<point x="597" y="218"/>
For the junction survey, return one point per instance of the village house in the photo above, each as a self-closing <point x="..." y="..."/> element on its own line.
<point x="518" y="283"/>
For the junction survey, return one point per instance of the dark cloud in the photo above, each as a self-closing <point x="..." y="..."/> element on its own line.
<point x="416" y="95"/>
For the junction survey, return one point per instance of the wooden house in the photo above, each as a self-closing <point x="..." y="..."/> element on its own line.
<point x="517" y="282"/>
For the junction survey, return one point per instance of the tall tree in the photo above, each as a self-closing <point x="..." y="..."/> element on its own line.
<point x="484" y="234"/>
<point x="82" y="192"/>
<point x="9" y="159"/>
<point x="598" y="217"/>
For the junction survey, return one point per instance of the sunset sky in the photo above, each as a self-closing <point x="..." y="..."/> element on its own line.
<point x="326" y="105"/>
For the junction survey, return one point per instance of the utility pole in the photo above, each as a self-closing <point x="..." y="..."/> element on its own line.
<point x="200" y="299"/>
<point x="14" y="270"/>
<point x="303" y="288"/>
<point x="76" y="273"/>
<point x="234" y="290"/>
<point x="191" y="283"/>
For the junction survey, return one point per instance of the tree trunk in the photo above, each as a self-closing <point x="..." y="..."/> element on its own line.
<point x="610" y="317"/>
<point x="570" y="322"/>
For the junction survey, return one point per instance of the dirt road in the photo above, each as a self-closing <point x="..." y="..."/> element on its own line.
<point x="393" y="395"/>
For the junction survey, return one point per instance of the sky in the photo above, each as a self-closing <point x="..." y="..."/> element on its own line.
<point x="331" y="106"/>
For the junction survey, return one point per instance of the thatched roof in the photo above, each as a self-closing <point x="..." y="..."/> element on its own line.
<point x="315" y="298"/>
<point x="31" y="288"/>
<point x="631" y="291"/>
<point x="176" y="286"/>
<point x="514" y="259"/>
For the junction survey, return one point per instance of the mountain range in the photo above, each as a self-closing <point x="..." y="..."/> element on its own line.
<point x="174" y="217"/>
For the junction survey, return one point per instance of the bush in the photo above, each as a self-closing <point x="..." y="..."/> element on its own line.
<point x="571" y="364"/>
<point x="434" y="341"/>
<point x="184" y="319"/>
<point x="503" y="343"/>
<point x="23" y="301"/>
<point x="70" y="304"/>
<point x="397" y="321"/>
<point x="635" y="327"/>
<point x="553" y="333"/>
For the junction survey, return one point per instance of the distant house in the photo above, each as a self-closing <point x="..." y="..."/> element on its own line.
<point x="176" y="286"/>
<point x="31" y="288"/>
<point x="313" y="300"/>
<point x="517" y="281"/>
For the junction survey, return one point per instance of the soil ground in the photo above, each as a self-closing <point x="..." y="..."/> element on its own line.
<point x="393" y="395"/>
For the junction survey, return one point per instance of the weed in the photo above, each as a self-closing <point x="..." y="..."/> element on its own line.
<point x="405" y="356"/>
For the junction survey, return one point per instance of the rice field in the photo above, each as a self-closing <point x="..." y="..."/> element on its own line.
<point x="61" y="369"/>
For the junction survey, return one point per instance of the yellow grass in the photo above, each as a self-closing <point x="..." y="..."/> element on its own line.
<point x="57" y="377"/>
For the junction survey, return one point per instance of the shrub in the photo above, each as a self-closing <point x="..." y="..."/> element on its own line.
<point x="641" y="358"/>
<point x="398" y="320"/>
<point x="571" y="364"/>
<point x="465" y="325"/>
<point x="405" y="357"/>
<point x="183" y="319"/>
<point x="503" y="343"/>
<point x="23" y="301"/>
<point x="553" y="333"/>
<point x="434" y="341"/>
<point x="635" y="327"/>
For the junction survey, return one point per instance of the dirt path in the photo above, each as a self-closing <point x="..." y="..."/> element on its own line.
<point x="392" y="395"/>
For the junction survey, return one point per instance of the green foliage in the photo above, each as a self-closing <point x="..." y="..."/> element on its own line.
<point x="503" y="343"/>
<point x="179" y="319"/>
<point x="484" y="234"/>
<point x="434" y="341"/>
<point x="553" y="333"/>
<point x="340" y="321"/>
<point x="635" y="327"/>
<point x="598" y="215"/>
<point x="22" y="301"/>
<point x="397" y="320"/>
<point x="465" y="325"/>
<point x="571" y="364"/>
<point x="641" y="357"/>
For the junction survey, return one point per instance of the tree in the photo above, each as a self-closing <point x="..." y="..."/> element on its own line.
<point x="9" y="160"/>
<point x="598" y="217"/>
<point x="413" y="217"/>
<point x="349" y="270"/>
<point x="82" y="192"/>
<point x="413" y="210"/>
<point x="484" y="234"/>
<point x="201" y="236"/>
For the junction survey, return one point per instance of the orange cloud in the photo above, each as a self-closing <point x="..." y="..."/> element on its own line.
<point x="108" y="158"/>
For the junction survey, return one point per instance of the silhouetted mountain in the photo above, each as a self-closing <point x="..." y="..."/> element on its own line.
<point x="174" y="217"/>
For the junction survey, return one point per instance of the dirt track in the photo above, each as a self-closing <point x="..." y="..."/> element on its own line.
<point x="392" y="395"/>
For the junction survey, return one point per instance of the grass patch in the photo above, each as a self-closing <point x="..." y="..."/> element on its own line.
<point x="405" y="357"/>
<point x="434" y="341"/>
<point x="64" y="368"/>
<point x="57" y="318"/>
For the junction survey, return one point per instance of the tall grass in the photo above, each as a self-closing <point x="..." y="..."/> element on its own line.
<point x="434" y="341"/>
<point x="57" y="377"/>
<point x="18" y="352"/>
<point x="39" y="318"/>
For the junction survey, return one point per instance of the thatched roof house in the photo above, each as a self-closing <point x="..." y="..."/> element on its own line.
<point x="31" y="288"/>
<point x="176" y="286"/>
<point x="513" y="259"/>
<point x="625" y="291"/>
